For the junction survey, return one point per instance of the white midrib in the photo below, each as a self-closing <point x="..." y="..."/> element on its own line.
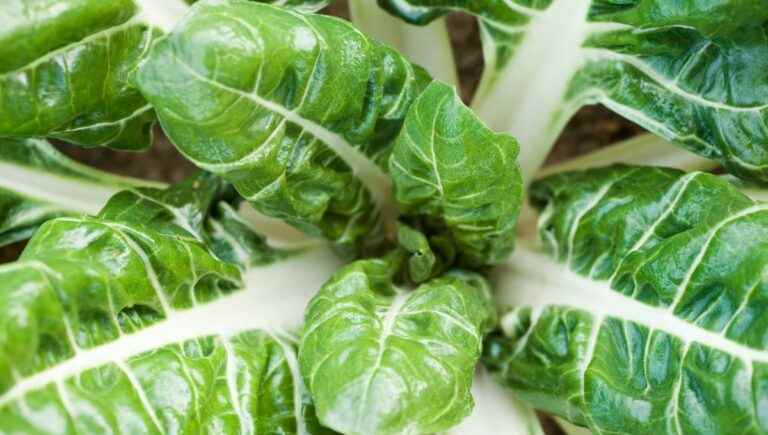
<point x="386" y="331"/>
<point x="72" y="194"/>
<point x="274" y="299"/>
<point x="528" y="96"/>
<point x="299" y="389"/>
<point x="89" y="196"/>
<point x="532" y="279"/>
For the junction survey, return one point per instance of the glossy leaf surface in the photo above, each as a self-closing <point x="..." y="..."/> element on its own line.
<point x="693" y="72"/>
<point x="155" y="316"/>
<point x="295" y="110"/>
<point x="67" y="67"/>
<point x="378" y="359"/>
<point x="655" y="322"/>
<point x="65" y="71"/>
<point x="457" y="178"/>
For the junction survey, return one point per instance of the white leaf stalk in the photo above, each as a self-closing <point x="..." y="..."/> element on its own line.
<point x="645" y="150"/>
<point x="497" y="411"/>
<point x="70" y="194"/>
<point x="428" y="46"/>
<point x="525" y="98"/>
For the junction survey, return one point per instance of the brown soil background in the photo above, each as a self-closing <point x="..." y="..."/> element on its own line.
<point x="591" y="128"/>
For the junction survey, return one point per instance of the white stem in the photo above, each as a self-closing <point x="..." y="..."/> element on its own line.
<point x="497" y="411"/>
<point x="646" y="149"/>
<point x="278" y="233"/>
<point x="428" y="46"/>
<point x="526" y="97"/>
<point x="68" y="193"/>
<point x="163" y="14"/>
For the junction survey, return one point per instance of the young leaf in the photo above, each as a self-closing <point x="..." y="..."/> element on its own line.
<point x="380" y="360"/>
<point x="457" y="177"/>
<point x="295" y="110"/>
<point x="692" y="72"/>
<point x="655" y="322"/>
<point x="135" y="321"/>
<point x="422" y="261"/>
<point x="37" y="183"/>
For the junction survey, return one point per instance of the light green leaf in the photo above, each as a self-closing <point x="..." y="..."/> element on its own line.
<point x="380" y="360"/>
<point x="654" y="319"/>
<point x="295" y="110"/>
<point x="422" y="262"/>
<point x="457" y="177"/>
<point x="158" y="315"/>
<point x="38" y="183"/>
<point x="693" y="72"/>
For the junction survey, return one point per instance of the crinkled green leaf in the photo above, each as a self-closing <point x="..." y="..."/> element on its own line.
<point x="66" y="67"/>
<point x="37" y="183"/>
<point x="155" y="316"/>
<point x="298" y="5"/>
<point x="243" y="383"/>
<point x="292" y="109"/>
<point x="380" y="360"/>
<point x="457" y="177"/>
<point x="65" y="70"/>
<point x="694" y="72"/>
<point x="655" y="319"/>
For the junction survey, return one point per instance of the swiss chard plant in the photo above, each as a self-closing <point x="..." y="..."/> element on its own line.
<point x="354" y="255"/>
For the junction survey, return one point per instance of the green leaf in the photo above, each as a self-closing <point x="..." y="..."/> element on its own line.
<point x="295" y="110"/>
<point x="297" y="5"/>
<point x="65" y="71"/>
<point x="38" y="183"/>
<point x="67" y="66"/>
<point x="381" y="360"/>
<point x="693" y="72"/>
<point x="422" y="262"/>
<point x="457" y="177"/>
<point x="158" y="315"/>
<point x="653" y="321"/>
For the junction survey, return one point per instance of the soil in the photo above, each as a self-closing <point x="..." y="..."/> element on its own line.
<point x="591" y="128"/>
